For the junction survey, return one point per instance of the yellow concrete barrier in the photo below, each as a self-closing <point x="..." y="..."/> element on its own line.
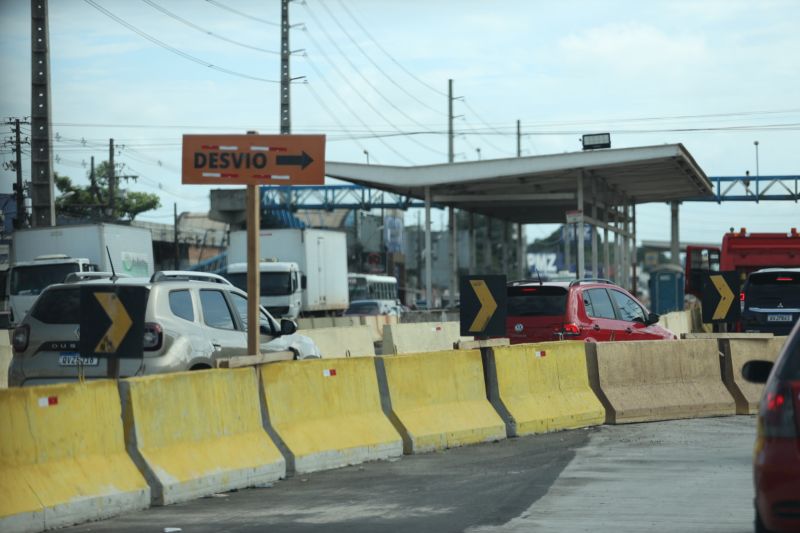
<point x="62" y="457"/>
<point x="543" y="387"/>
<point x="678" y="322"/>
<point x="736" y="352"/>
<point x="322" y="322"/>
<point x="305" y="323"/>
<point x="327" y="413"/>
<point x="346" y="321"/>
<point x="198" y="433"/>
<point x="639" y="381"/>
<point x="343" y="341"/>
<point x="439" y="399"/>
<point x="5" y="357"/>
<point x="420" y="337"/>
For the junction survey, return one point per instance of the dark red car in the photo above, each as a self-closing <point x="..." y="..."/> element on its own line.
<point x="776" y="458"/>
<point x="590" y="310"/>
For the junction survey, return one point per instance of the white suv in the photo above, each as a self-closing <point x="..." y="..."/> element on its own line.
<point x="189" y="324"/>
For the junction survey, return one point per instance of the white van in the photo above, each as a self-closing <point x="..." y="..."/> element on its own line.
<point x="281" y="286"/>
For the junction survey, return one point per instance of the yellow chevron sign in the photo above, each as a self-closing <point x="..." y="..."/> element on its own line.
<point x="120" y="322"/>
<point x="726" y="297"/>
<point x="720" y="292"/>
<point x="482" y="308"/>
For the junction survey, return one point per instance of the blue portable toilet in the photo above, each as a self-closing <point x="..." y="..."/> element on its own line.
<point x="666" y="289"/>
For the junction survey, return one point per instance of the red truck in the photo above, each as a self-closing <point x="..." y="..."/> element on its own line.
<point x="743" y="252"/>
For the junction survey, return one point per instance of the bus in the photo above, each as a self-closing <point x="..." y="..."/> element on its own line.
<point x="372" y="287"/>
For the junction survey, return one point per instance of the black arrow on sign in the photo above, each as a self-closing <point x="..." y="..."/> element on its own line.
<point x="297" y="160"/>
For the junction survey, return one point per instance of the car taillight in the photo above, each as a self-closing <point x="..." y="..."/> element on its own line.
<point x="20" y="338"/>
<point x="153" y="336"/>
<point x="571" y="329"/>
<point x="778" y="410"/>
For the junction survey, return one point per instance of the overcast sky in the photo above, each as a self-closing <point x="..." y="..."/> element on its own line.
<point x="713" y="75"/>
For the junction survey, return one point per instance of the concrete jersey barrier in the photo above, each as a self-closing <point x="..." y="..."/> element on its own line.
<point x="336" y="342"/>
<point x="62" y="457"/>
<point x="5" y="357"/>
<point x="198" y="433"/>
<point x="678" y="322"/>
<point x="736" y="352"/>
<point x="327" y="413"/>
<point x="438" y="400"/>
<point x="640" y="381"/>
<point x="543" y="387"/>
<point x="421" y="337"/>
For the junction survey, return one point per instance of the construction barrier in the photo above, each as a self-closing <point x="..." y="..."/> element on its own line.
<point x="542" y="387"/>
<point x="5" y="357"/>
<point x="62" y="457"/>
<point x="639" y="381"/>
<point x="376" y="324"/>
<point x="439" y="400"/>
<point x="346" y="321"/>
<point x="198" y="433"/>
<point x="736" y="352"/>
<point x="327" y="413"/>
<point x="322" y="322"/>
<point x="305" y="323"/>
<point x="343" y="341"/>
<point x="420" y="337"/>
<point x="678" y="322"/>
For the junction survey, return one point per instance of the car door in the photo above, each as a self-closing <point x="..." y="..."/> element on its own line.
<point x="633" y="315"/>
<point x="222" y="326"/>
<point x="603" y="324"/>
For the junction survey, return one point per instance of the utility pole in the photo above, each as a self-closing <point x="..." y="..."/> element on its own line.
<point x="112" y="179"/>
<point x="286" y="118"/>
<point x="453" y="228"/>
<point x="519" y="140"/>
<point x="43" y="211"/>
<point x="19" y="187"/>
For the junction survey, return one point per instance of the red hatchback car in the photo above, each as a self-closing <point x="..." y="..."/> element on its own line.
<point x="591" y="310"/>
<point x="776" y="457"/>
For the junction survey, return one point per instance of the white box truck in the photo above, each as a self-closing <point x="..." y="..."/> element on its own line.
<point x="43" y="256"/>
<point x="320" y="256"/>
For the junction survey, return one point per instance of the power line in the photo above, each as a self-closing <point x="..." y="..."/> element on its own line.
<point x="251" y="17"/>
<point x="330" y="113"/>
<point x="347" y="80"/>
<point x="172" y="49"/>
<point x="376" y="65"/>
<point x="207" y="32"/>
<point x="382" y="49"/>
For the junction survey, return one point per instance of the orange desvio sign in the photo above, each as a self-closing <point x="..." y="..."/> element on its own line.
<point x="254" y="159"/>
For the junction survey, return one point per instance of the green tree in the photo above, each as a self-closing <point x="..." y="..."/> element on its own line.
<point x="92" y="201"/>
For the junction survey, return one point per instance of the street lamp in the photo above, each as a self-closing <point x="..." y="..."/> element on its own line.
<point x="479" y="153"/>
<point x="366" y="153"/>
<point x="755" y="143"/>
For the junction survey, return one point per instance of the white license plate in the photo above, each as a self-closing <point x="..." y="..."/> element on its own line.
<point x="779" y="318"/>
<point x="73" y="359"/>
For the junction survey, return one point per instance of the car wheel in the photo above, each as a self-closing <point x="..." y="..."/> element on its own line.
<point x="760" y="527"/>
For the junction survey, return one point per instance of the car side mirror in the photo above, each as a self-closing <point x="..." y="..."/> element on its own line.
<point x="264" y="329"/>
<point x="757" y="371"/>
<point x="288" y="326"/>
<point x="652" y="318"/>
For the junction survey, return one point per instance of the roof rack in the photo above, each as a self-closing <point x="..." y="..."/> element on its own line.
<point x="188" y="275"/>
<point x="74" y="277"/>
<point x="591" y="280"/>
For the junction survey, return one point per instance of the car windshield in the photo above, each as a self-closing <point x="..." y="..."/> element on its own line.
<point x="539" y="300"/>
<point x="272" y="283"/>
<point x="59" y="306"/>
<point x="34" y="278"/>
<point x="362" y="308"/>
<point x="773" y="289"/>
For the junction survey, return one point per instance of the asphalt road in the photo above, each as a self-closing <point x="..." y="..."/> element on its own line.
<point x="678" y="476"/>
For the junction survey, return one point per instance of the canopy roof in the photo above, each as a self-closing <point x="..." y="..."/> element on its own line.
<point x="540" y="189"/>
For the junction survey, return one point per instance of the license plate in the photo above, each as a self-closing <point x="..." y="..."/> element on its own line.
<point x="73" y="359"/>
<point x="779" y="318"/>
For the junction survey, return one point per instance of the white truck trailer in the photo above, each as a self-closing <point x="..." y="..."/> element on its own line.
<point x="43" y="256"/>
<point x="319" y="254"/>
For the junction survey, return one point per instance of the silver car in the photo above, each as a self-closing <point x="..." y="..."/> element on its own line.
<point x="189" y="325"/>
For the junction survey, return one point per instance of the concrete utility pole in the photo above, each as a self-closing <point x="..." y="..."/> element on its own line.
<point x="286" y="117"/>
<point x="519" y="140"/>
<point x="453" y="222"/>
<point x="42" y="194"/>
<point x="112" y="179"/>
<point x="19" y="187"/>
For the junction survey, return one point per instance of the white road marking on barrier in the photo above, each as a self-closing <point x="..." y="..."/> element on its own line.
<point x="47" y="401"/>
<point x="540" y="353"/>
<point x="328" y="372"/>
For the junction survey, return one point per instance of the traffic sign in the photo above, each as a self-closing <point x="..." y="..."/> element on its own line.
<point x="253" y="159"/>
<point x="720" y="294"/>
<point x="483" y="306"/>
<point x="112" y="321"/>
